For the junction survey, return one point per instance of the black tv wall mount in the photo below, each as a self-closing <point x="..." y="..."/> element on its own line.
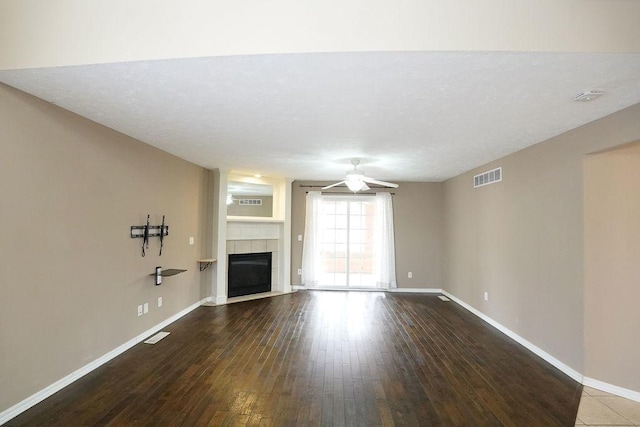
<point x="154" y="230"/>
<point x="147" y="230"/>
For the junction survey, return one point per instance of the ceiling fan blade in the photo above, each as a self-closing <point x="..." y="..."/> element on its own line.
<point x="364" y="187"/>
<point x="333" y="185"/>
<point x="375" y="181"/>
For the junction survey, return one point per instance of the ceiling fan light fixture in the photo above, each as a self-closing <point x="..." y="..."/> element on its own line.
<point x="356" y="180"/>
<point x="355" y="185"/>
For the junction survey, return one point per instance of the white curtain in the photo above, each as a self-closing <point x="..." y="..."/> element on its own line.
<point x="384" y="247"/>
<point x="311" y="246"/>
<point x="385" y="251"/>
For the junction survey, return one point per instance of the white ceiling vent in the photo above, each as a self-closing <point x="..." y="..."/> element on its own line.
<point x="489" y="177"/>
<point x="250" y="202"/>
<point x="588" y="95"/>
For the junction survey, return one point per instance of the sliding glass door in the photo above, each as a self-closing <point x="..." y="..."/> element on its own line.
<point x="348" y="242"/>
<point x="346" y="234"/>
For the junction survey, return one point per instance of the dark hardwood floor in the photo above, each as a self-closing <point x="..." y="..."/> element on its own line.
<point x="321" y="358"/>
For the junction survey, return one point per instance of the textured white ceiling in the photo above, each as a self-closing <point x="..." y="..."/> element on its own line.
<point x="409" y="116"/>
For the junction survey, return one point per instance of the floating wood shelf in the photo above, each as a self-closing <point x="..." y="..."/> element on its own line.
<point x="160" y="273"/>
<point x="169" y="272"/>
<point x="206" y="263"/>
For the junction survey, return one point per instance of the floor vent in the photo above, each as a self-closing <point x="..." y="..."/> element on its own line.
<point x="443" y="298"/>
<point x="250" y="202"/>
<point x="494" y="175"/>
<point x="157" y="337"/>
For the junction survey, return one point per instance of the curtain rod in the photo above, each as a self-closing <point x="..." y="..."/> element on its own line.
<point x="329" y="193"/>
<point x="322" y="186"/>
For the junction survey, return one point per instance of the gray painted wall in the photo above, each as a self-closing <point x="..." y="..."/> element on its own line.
<point x="612" y="266"/>
<point x="521" y="239"/>
<point x="72" y="277"/>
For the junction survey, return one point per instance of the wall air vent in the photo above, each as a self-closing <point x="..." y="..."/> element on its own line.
<point x="486" y="178"/>
<point x="250" y="202"/>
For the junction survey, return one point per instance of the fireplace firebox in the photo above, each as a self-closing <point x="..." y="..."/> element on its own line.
<point x="249" y="274"/>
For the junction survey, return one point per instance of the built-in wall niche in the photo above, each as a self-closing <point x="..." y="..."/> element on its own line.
<point x="249" y="199"/>
<point x="259" y="199"/>
<point x="254" y="234"/>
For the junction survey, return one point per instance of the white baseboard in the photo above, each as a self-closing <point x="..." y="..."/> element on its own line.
<point x="218" y="300"/>
<point x="537" y="350"/>
<point x="407" y="290"/>
<point x="613" y="389"/>
<point x="38" y="397"/>
<point x="331" y="288"/>
<point x="287" y="289"/>
<point x="417" y="290"/>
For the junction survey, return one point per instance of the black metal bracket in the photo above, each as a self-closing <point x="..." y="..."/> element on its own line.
<point x="206" y="263"/>
<point x="154" y="231"/>
<point x="147" y="230"/>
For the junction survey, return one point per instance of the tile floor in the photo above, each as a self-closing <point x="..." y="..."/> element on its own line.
<point x="599" y="408"/>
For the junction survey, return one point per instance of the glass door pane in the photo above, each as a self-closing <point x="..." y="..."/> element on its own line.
<point x="333" y="257"/>
<point x="347" y="243"/>
<point x="361" y="243"/>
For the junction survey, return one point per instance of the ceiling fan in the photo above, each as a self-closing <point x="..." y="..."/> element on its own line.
<point x="357" y="181"/>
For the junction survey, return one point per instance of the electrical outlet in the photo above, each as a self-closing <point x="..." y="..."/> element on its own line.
<point x="486" y="296"/>
<point x="410" y="275"/>
<point x="299" y="237"/>
<point x="146" y="307"/>
<point x="159" y="301"/>
<point x="299" y="272"/>
<point x="139" y="310"/>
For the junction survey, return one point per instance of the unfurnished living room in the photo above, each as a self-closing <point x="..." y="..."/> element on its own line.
<point x="320" y="213"/>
